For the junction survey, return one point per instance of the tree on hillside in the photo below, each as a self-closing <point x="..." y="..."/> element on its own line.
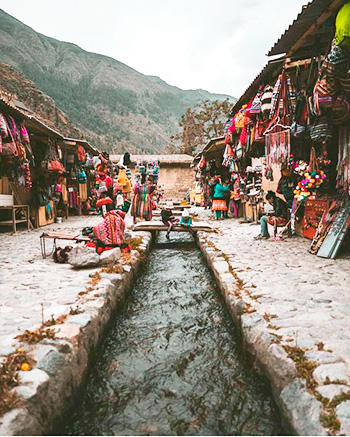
<point x="205" y="121"/>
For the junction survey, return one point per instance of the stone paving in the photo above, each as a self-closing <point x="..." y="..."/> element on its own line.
<point x="302" y="300"/>
<point x="27" y="280"/>
<point x="299" y="299"/>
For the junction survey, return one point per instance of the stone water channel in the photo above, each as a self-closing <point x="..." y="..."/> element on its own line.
<point x="172" y="363"/>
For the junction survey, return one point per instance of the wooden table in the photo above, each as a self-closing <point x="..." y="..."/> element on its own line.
<point x="15" y="209"/>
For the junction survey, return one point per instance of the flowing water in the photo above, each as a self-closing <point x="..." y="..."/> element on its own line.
<point x="172" y="363"/>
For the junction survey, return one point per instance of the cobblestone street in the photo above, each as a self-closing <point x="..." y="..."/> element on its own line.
<point x="299" y="299"/>
<point x="27" y="280"/>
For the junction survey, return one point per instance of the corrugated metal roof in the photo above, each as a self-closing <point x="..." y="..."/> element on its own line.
<point x="32" y="121"/>
<point x="253" y="87"/>
<point x="307" y="17"/>
<point x="84" y="143"/>
<point x="212" y="146"/>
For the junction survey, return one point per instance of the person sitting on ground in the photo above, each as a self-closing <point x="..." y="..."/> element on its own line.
<point x="277" y="217"/>
<point x="186" y="220"/>
<point x="168" y="218"/>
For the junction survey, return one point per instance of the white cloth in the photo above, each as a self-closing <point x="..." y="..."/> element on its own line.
<point x="120" y="200"/>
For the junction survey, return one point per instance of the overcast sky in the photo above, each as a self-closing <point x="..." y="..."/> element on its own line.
<point x="216" y="45"/>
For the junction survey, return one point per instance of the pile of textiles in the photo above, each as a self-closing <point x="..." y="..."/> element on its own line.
<point x="111" y="231"/>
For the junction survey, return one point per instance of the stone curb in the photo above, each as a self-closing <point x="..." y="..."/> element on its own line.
<point x="300" y="410"/>
<point x="46" y="392"/>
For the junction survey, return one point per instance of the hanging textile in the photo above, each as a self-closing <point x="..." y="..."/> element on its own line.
<point x="343" y="167"/>
<point x="283" y="101"/>
<point x="73" y="197"/>
<point x="277" y="147"/>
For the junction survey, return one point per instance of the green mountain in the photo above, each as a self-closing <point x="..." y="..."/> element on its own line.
<point x="116" y="107"/>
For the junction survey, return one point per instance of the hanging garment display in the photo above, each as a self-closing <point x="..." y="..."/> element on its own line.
<point x="340" y="111"/>
<point x="320" y="129"/>
<point x="266" y="101"/>
<point x="73" y="197"/>
<point x="81" y="154"/>
<point x="283" y="100"/>
<point x="256" y="103"/>
<point x="277" y="147"/>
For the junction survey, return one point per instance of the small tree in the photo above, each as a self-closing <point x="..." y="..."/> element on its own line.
<point x="205" y="121"/>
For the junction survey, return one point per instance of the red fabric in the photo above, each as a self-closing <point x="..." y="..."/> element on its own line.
<point x="279" y="220"/>
<point x="81" y="154"/>
<point x="121" y="213"/>
<point x="109" y="182"/>
<point x="104" y="201"/>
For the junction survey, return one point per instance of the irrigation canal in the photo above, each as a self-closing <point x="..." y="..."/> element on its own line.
<point x="172" y="363"/>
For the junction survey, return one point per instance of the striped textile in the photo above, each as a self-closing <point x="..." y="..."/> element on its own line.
<point x="141" y="204"/>
<point x="111" y="231"/>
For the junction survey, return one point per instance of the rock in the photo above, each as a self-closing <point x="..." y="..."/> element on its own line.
<point x="30" y="382"/>
<point x="19" y="422"/>
<point x="330" y="391"/>
<point x="343" y="413"/>
<point x="322" y="357"/>
<point x="80" y="319"/>
<point x="68" y="331"/>
<point x="110" y="256"/>
<point x="333" y="372"/>
<point x="51" y="362"/>
<point x="301" y="409"/>
<point x="68" y="300"/>
<point x="281" y="367"/>
<point x="82" y="257"/>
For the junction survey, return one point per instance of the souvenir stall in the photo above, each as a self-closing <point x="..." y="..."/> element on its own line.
<point x="300" y="113"/>
<point x="48" y="171"/>
<point x="80" y="177"/>
<point x="16" y="157"/>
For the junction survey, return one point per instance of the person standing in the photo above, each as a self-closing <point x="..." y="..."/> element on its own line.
<point x="142" y="201"/>
<point x="219" y="199"/>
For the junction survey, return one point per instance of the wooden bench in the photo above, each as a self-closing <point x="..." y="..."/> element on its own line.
<point x="155" y="225"/>
<point x="58" y="236"/>
<point x="6" y="203"/>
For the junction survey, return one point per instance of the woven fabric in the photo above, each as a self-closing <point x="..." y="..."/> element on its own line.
<point x="141" y="204"/>
<point x="111" y="231"/>
<point x="219" y="205"/>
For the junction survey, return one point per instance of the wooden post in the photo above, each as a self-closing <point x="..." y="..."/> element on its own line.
<point x="14" y="219"/>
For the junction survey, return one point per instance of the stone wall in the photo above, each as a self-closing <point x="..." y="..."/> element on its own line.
<point x="175" y="179"/>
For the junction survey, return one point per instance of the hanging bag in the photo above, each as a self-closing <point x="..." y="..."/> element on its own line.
<point x="9" y="147"/>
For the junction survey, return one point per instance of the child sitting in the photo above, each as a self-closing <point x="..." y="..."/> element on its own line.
<point x="186" y="220"/>
<point x="168" y="218"/>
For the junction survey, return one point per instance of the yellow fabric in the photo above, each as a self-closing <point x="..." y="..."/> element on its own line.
<point x="127" y="187"/>
<point x="342" y="25"/>
<point x="122" y="177"/>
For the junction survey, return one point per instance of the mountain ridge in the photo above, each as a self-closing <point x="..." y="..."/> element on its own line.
<point x="116" y="107"/>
